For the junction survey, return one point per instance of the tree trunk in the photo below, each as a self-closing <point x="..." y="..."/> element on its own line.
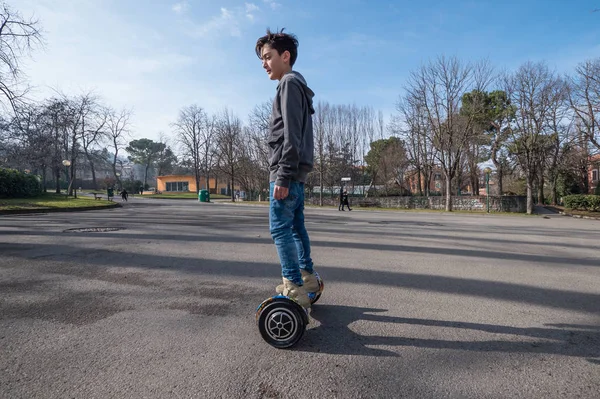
<point x="541" y="189"/>
<point x="57" y="177"/>
<point x="146" y="176"/>
<point x="93" y="175"/>
<point x="321" y="185"/>
<point x="529" y="195"/>
<point x="198" y="176"/>
<point x="499" y="175"/>
<point x="114" y="164"/>
<point x="419" y="182"/>
<point x="448" y="194"/>
<point x="371" y="183"/>
<point x="71" y="177"/>
<point x="44" y="176"/>
<point x="554" y="191"/>
<point x="585" y="178"/>
<point x="232" y="187"/>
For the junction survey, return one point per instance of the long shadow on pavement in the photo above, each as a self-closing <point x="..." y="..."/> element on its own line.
<point x="399" y="248"/>
<point x="334" y="336"/>
<point x="555" y="298"/>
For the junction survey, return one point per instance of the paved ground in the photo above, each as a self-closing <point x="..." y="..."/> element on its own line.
<point x="416" y="305"/>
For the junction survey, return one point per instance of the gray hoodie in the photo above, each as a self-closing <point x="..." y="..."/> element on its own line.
<point x="291" y="131"/>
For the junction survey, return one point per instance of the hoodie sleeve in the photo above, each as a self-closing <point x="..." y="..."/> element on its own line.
<point x="291" y="113"/>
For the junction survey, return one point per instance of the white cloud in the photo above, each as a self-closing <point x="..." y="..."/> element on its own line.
<point x="224" y="21"/>
<point x="132" y="61"/>
<point x="250" y="7"/>
<point x="180" y="7"/>
<point x="230" y="20"/>
<point x="274" y="5"/>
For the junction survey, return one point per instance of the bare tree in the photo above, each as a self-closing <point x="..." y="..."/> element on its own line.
<point x="229" y="134"/>
<point x="438" y="88"/>
<point x="585" y="99"/>
<point x="250" y="171"/>
<point x="257" y="138"/>
<point x="32" y="139"/>
<point x="56" y="119"/>
<point x="118" y="125"/>
<point x="189" y="128"/>
<point x="321" y="111"/>
<point x="77" y="109"/>
<point x="18" y="36"/>
<point x="557" y="141"/>
<point x="93" y="122"/>
<point x="412" y="126"/>
<point x="209" y="149"/>
<point x="531" y="90"/>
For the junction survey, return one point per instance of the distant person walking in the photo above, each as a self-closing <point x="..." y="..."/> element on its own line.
<point x="124" y="195"/>
<point x="345" y="201"/>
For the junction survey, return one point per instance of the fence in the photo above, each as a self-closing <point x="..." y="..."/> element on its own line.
<point x="512" y="203"/>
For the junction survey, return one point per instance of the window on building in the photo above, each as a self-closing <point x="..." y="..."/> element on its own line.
<point x="437" y="176"/>
<point x="178" y="186"/>
<point x="594" y="175"/>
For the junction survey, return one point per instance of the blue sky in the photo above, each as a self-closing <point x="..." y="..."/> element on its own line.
<point x="156" y="56"/>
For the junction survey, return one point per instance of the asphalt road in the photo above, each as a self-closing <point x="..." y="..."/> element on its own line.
<point x="416" y="305"/>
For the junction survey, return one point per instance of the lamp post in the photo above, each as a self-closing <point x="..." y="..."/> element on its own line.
<point x="487" y="187"/>
<point x="67" y="163"/>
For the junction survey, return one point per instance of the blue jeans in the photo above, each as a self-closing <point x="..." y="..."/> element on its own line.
<point x="286" y="222"/>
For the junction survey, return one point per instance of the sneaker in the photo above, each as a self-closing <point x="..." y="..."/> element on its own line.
<point x="295" y="292"/>
<point x="311" y="284"/>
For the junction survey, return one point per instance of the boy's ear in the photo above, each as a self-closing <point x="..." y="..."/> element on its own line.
<point x="286" y="56"/>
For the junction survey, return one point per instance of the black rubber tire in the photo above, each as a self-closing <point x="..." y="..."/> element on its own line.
<point x="282" y="323"/>
<point x="318" y="295"/>
<point x="316" y="299"/>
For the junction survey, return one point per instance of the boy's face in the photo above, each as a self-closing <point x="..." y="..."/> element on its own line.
<point x="276" y="65"/>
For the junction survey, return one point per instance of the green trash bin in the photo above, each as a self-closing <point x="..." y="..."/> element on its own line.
<point x="204" y="196"/>
<point x="110" y="193"/>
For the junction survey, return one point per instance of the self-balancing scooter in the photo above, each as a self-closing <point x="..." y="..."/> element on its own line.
<point x="282" y="321"/>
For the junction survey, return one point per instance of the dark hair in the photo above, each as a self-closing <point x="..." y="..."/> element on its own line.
<point x="279" y="41"/>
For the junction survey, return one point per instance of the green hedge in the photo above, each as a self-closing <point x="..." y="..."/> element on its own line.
<point x="582" y="202"/>
<point x="15" y="184"/>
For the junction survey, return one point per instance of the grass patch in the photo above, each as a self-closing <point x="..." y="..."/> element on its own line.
<point x="183" y="196"/>
<point x="51" y="201"/>
<point x="569" y="211"/>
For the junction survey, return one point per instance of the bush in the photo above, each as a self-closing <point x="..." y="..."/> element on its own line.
<point x="15" y="184"/>
<point x="583" y="202"/>
<point x="132" y="186"/>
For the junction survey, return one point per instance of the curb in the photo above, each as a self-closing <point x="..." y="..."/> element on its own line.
<point x="578" y="216"/>
<point x="572" y="215"/>
<point x="53" y="210"/>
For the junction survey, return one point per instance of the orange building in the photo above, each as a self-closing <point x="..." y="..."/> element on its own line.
<point x="187" y="183"/>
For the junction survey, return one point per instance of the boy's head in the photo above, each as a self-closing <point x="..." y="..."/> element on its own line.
<point x="278" y="52"/>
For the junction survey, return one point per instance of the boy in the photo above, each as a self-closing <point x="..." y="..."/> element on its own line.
<point x="290" y="160"/>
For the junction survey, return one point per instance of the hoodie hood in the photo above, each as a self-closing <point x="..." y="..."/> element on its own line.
<point x="297" y="77"/>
